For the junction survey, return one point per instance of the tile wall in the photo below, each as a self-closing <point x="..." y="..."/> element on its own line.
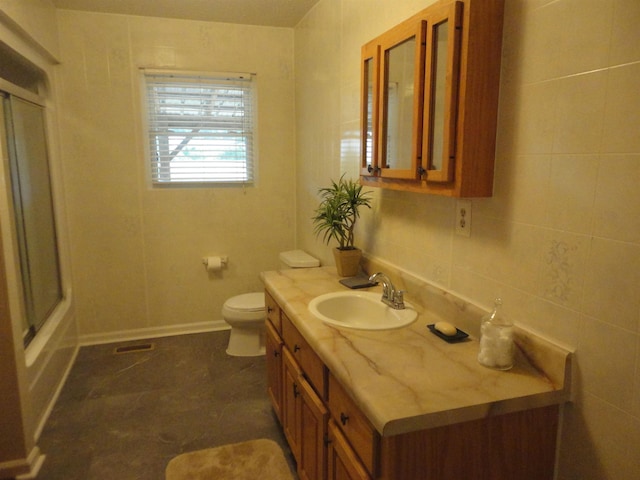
<point x="560" y="239"/>
<point x="136" y="250"/>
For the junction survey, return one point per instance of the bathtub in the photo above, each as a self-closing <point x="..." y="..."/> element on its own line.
<point x="48" y="359"/>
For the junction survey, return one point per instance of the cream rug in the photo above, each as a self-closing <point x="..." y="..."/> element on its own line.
<point x="257" y="459"/>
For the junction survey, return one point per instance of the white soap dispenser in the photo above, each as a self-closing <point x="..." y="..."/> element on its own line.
<point x="496" y="340"/>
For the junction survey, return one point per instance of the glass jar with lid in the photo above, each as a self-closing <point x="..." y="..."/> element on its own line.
<point x="496" y="340"/>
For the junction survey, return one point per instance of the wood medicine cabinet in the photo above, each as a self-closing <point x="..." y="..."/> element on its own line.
<point x="430" y="98"/>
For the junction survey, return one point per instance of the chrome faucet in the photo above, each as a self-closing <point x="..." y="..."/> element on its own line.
<point x="390" y="296"/>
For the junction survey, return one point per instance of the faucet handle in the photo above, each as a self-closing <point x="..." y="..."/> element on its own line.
<point x="398" y="299"/>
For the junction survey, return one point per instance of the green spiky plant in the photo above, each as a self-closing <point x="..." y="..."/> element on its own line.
<point x="335" y="217"/>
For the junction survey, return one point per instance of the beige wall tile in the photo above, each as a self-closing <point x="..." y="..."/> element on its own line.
<point x="606" y="362"/>
<point x="612" y="276"/>
<point x="541" y="36"/>
<point x="586" y="26"/>
<point x="527" y="185"/>
<point x="625" y="42"/>
<point x="580" y="111"/>
<point x="601" y="442"/>
<point x="572" y="186"/>
<point x="617" y="201"/>
<point x="561" y="38"/>
<point x="622" y="110"/>
<point x="635" y="403"/>
<point x="553" y="321"/>
<point x="534" y="125"/>
<point x="509" y="253"/>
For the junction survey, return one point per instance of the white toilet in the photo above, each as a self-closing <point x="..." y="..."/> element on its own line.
<point x="246" y="313"/>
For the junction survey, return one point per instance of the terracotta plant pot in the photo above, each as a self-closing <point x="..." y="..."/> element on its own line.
<point x="347" y="261"/>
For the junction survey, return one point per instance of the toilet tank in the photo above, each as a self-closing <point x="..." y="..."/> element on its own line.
<point x="298" y="259"/>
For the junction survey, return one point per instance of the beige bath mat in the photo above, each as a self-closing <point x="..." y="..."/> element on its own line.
<point x="257" y="459"/>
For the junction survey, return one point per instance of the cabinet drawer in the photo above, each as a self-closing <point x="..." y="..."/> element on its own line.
<point x="310" y="363"/>
<point x="273" y="312"/>
<point x="361" y="435"/>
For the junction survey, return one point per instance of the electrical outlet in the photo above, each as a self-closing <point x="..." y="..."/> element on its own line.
<point x="463" y="218"/>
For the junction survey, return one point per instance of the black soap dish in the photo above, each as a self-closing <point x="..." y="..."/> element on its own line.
<point x="359" y="281"/>
<point x="458" y="337"/>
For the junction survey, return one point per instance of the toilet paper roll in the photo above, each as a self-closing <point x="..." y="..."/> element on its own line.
<point x="214" y="264"/>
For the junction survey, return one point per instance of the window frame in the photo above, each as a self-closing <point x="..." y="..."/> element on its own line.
<point x="245" y="137"/>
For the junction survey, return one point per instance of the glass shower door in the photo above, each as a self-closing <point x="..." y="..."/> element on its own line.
<point x="33" y="210"/>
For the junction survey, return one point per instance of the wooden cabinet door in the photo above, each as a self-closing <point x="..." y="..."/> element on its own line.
<point x="291" y="402"/>
<point x="400" y="100"/>
<point x="274" y="344"/>
<point x="442" y="74"/>
<point x="342" y="462"/>
<point x="369" y="108"/>
<point x="304" y="421"/>
<point x="313" y="431"/>
<point x="354" y="424"/>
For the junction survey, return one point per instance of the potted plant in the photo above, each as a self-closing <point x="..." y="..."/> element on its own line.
<point x="335" y="218"/>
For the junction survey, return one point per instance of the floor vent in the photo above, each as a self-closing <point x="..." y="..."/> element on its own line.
<point x="141" y="347"/>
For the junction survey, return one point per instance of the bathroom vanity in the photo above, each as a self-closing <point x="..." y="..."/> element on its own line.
<point x="404" y="404"/>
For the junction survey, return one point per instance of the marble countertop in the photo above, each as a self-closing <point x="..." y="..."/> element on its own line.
<point x="408" y="379"/>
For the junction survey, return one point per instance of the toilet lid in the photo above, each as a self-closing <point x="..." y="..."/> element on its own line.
<point x="299" y="259"/>
<point x="248" y="302"/>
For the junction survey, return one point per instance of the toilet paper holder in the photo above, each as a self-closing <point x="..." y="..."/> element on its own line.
<point x="213" y="261"/>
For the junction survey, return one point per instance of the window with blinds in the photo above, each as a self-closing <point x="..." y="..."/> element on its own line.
<point x="201" y="129"/>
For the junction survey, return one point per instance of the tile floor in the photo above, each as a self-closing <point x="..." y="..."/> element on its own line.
<point x="124" y="416"/>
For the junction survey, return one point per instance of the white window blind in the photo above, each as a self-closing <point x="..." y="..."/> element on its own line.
<point x="201" y="129"/>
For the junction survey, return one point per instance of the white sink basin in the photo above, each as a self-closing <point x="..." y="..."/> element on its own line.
<point x="360" y="310"/>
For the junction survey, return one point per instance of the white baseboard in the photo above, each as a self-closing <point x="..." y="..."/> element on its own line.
<point x="35" y="468"/>
<point x="152" y="332"/>
<point x="17" y="468"/>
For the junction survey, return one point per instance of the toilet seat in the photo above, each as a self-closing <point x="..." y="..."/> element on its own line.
<point x="244" y="308"/>
<point x="247" y="302"/>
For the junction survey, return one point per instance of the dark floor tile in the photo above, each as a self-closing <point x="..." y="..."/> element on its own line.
<point x="126" y="416"/>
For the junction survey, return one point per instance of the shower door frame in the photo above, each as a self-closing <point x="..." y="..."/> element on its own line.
<point x="32" y="318"/>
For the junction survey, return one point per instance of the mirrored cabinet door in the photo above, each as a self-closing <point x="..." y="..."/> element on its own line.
<point x="441" y="92"/>
<point x="402" y="89"/>
<point x="430" y="88"/>
<point x="370" y="77"/>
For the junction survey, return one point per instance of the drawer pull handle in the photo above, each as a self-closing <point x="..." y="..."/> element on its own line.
<point x="296" y="392"/>
<point x="269" y="309"/>
<point x="343" y="418"/>
<point x="296" y="348"/>
<point x="276" y="353"/>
